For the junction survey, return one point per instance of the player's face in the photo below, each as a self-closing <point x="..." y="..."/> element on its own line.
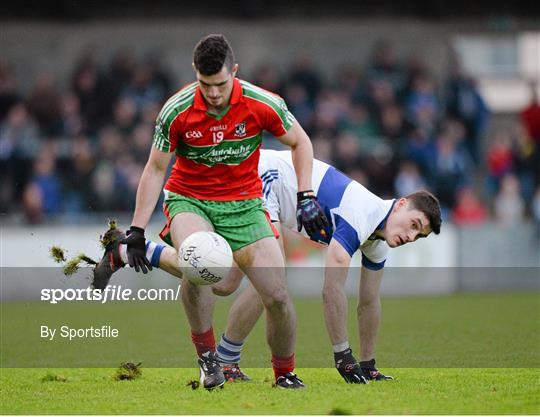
<point x="216" y="89"/>
<point x="405" y="225"/>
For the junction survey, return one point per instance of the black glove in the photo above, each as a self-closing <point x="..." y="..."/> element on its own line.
<point x="348" y="368"/>
<point x="310" y="214"/>
<point x="136" y="249"/>
<point x="372" y="373"/>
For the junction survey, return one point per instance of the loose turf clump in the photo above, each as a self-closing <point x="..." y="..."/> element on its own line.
<point x="50" y="377"/>
<point x="128" y="371"/>
<point x="193" y="384"/>
<point x="338" y="411"/>
<point x="108" y="237"/>
<point x="72" y="265"/>
<point x="58" y="254"/>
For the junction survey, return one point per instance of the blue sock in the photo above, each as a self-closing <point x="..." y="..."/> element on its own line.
<point x="153" y="252"/>
<point x="229" y="352"/>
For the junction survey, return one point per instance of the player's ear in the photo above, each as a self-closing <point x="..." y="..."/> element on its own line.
<point x="234" y="70"/>
<point x="402" y="202"/>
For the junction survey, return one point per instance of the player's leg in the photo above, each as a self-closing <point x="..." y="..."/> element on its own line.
<point x="115" y="256"/>
<point x="369" y="318"/>
<point x="198" y="302"/>
<point x="263" y="263"/>
<point x="243" y="315"/>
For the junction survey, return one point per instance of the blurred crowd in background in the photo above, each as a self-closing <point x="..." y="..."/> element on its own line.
<point x="393" y="126"/>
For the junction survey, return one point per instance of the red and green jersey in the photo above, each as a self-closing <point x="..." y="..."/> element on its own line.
<point x="217" y="156"/>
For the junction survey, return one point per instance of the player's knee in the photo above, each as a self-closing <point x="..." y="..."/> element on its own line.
<point x="367" y="303"/>
<point x="277" y="300"/>
<point x="224" y="289"/>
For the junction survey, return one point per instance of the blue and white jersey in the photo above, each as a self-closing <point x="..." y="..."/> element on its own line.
<point x="355" y="213"/>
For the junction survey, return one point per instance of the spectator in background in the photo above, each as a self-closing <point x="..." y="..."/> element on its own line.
<point x="111" y="143"/>
<point x="85" y="84"/>
<point x="358" y="123"/>
<point x="299" y="104"/>
<point x="450" y="170"/>
<point x="143" y="88"/>
<point x="267" y="76"/>
<point x="304" y="73"/>
<point x="465" y="103"/>
<point x="125" y="115"/>
<point x="393" y="126"/>
<point x="71" y="122"/>
<point x="44" y="103"/>
<point x="422" y="106"/>
<point x="331" y="110"/>
<point x="535" y="209"/>
<point x="384" y="66"/>
<point x="43" y="194"/>
<point x="469" y="210"/>
<point x="408" y="179"/>
<point x="380" y="94"/>
<point x="19" y="134"/>
<point x="420" y="149"/>
<point x="500" y="160"/>
<point x="509" y="206"/>
<point x="80" y="167"/>
<point x="530" y="118"/>
<point x="323" y="147"/>
<point x="8" y="89"/>
<point x="141" y="140"/>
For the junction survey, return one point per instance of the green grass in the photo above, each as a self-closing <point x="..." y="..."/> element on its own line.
<point x="164" y="391"/>
<point x="461" y="354"/>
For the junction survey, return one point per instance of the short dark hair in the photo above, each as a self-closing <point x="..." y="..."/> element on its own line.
<point x="211" y="53"/>
<point x="428" y="204"/>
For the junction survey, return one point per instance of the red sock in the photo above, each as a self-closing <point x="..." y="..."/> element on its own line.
<point x="204" y="342"/>
<point x="282" y="365"/>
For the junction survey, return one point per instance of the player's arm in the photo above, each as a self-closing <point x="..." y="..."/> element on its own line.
<point x="334" y="299"/>
<point x="369" y="311"/>
<point x="150" y="186"/>
<point x="148" y="191"/>
<point x="309" y="213"/>
<point x="302" y="154"/>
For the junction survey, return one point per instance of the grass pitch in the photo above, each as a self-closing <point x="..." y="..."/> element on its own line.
<point x="462" y="354"/>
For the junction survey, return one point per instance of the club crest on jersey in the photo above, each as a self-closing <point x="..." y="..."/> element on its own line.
<point x="240" y="130"/>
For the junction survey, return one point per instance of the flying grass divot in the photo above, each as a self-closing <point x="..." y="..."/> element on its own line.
<point x="71" y="266"/>
<point x="108" y="237"/>
<point x="128" y="371"/>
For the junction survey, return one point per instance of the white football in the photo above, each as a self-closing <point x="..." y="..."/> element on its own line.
<point x="205" y="258"/>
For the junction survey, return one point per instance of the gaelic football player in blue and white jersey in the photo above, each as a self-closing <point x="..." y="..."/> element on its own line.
<point x="359" y="221"/>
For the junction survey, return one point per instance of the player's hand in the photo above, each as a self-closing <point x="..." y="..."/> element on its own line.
<point x="372" y="373"/>
<point x="309" y="214"/>
<point x="136" y="249"/>
<point x="352" y="374"/>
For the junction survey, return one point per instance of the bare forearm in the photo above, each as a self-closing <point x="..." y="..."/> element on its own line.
<point x="334" y="298"/>
<point x="302" y="157"/>
<point x="369" y="322"/>
<point x="302" y="154"/>
<point x="150" y="187"/>
<point x="369" y="312"/>
<point x="335" y="304"/>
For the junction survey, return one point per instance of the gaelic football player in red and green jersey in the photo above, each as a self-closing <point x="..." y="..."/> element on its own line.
<point x="214" y="127"/>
